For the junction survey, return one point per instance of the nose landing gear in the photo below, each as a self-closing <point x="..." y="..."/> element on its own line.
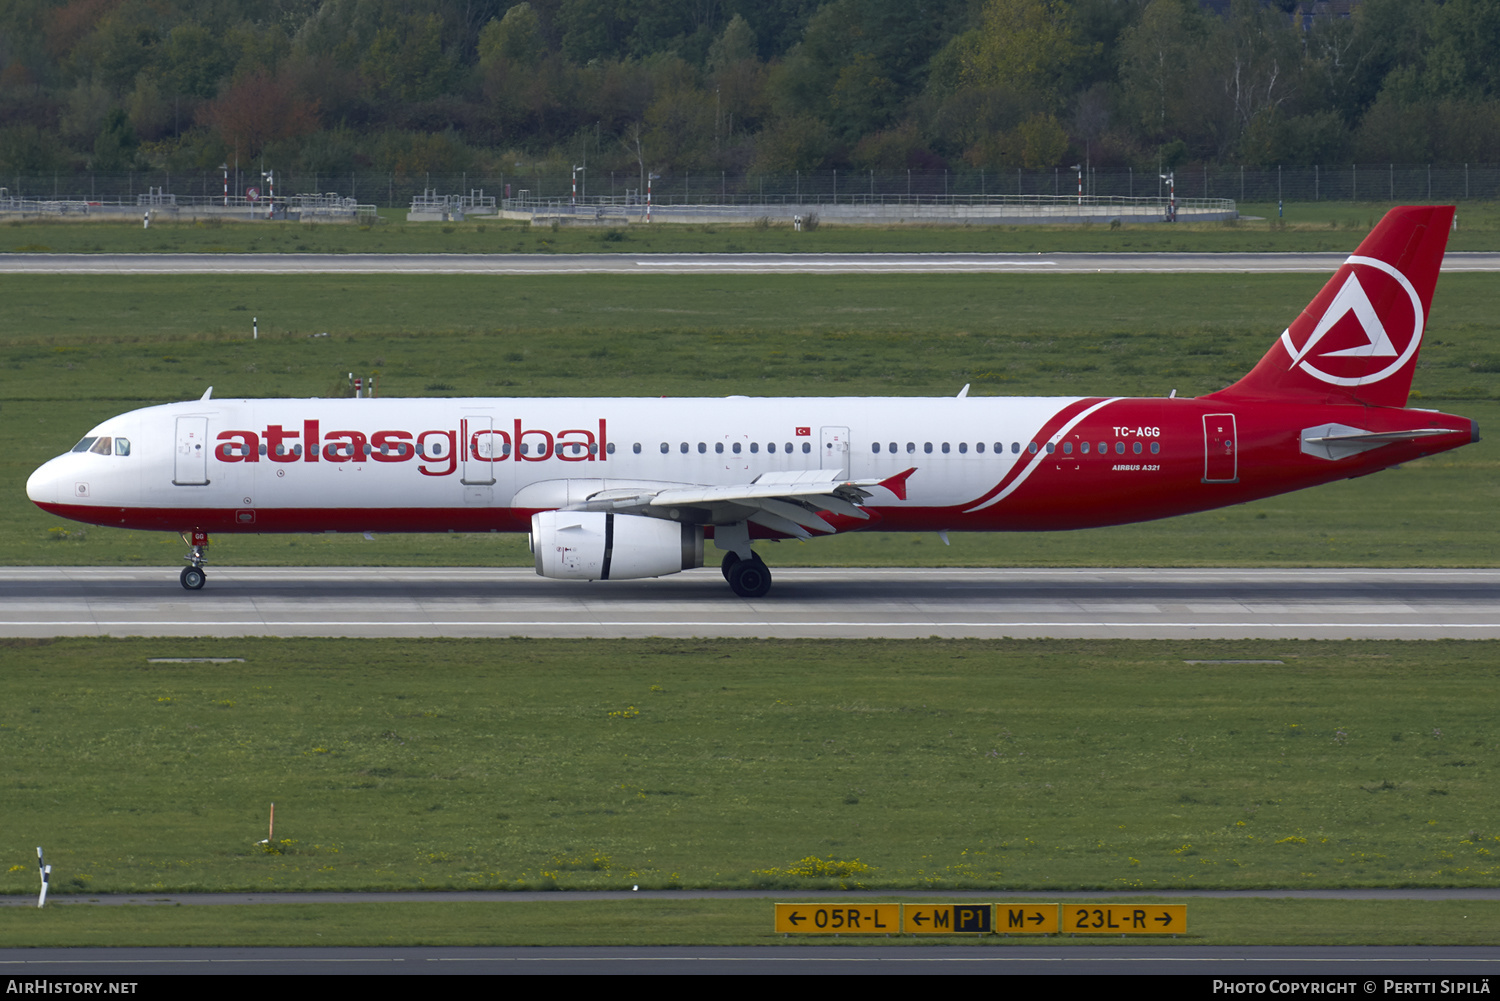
<point x="193" y="577"/>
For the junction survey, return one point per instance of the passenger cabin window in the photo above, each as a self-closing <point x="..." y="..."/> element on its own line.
<point x="806" y="447"/>
<point x="665" y="448"/>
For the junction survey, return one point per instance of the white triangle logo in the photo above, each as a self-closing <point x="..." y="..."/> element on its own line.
<point x="1351" y="298"/>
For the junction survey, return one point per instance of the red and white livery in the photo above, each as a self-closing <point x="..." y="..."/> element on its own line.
<point x="629" y="488"/>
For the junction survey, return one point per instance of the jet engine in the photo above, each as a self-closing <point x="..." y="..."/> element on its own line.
<point x="597" y="545"/>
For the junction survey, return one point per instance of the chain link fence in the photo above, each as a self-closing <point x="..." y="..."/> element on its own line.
<point x="1346" y="183"/>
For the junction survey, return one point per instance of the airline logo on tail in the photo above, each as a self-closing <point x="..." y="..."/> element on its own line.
<point x="1355" y="342"/>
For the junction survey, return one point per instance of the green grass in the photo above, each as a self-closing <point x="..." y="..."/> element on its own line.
<point x="1305" y="227"/>
<point x="520" y="764"/>
<point x="76" y="350"/>
<point x="701" y="922"/>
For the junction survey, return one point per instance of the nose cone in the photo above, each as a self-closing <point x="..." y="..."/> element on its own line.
<point x="45" y="486"/>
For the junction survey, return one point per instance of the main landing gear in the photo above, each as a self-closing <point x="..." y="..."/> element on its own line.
<point x="193" y="577"/>
<point x="747" y="578"/>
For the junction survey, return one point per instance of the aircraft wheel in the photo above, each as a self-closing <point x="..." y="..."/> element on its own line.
<point x="750" y="578"/>
<point x="193" y="578"/>
<point x="730" y="559"/>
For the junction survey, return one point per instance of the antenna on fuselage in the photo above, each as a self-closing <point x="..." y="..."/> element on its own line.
<point x="206" y="394"/>
<point x="963" y="392"/>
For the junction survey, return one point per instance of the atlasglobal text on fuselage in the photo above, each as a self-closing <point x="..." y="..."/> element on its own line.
<point x="612" y="489"/>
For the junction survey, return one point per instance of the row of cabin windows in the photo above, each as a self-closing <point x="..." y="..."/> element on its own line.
<point x="734" y="447"/>
<point x="121" y="446"/>
<point x="1015" y="447"/>
<point x="946" y="448"/>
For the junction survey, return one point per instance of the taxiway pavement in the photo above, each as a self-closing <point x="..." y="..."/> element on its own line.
<point x="804" y="603"/>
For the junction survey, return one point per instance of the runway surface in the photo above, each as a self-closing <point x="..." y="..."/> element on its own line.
<point x="803" y="603"/>
<point x="537" y="264"/>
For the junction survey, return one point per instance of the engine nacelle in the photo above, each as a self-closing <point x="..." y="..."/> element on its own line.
<point x="597" y="545"/>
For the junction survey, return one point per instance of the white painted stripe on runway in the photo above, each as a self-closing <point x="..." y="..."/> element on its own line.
<point x="578" y="623"/>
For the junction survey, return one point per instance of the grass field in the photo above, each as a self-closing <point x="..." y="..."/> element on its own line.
<point x="1304" y="227"/>
<point x="519" y="764"/>
<point x="700" y="922"/>
<point x="79" y="349"/>
<point x="590" y="764"/>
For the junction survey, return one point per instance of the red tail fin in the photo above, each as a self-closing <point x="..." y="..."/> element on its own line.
<point x="1357" y="341"/>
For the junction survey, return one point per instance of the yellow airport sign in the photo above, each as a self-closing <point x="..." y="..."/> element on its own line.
<point x="1027" y="919"/>
<point x="838" y="919"/>
<point x="1125" y="919"/>
<point x="947" y="919"/>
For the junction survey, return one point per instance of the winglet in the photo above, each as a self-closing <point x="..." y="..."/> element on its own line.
<point x="897" y="484"/>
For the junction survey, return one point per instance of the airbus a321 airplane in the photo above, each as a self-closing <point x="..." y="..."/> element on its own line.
<point x="612" y="489"/>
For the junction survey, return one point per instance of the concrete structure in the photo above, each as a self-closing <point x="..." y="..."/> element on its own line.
<point x="889" y="210"/>
<point x="430" y="206"/>
<point x="160" y="206"/>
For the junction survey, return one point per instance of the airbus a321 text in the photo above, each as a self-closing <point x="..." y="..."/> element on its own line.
<point x="611" y="489"/>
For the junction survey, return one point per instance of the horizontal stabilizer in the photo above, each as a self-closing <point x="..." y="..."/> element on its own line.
<point x="1339" y="441"/>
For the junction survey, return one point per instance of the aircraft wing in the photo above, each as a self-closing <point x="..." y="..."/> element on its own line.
<point x="786" y="501"/>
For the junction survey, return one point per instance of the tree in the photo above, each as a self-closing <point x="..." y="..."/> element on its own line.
<point x="406" y="59"/>
<point x="114" y="149"/>
<point x="1157" y="60"/>
<point x="515" y="40"/>
<point x="260" y="109"/>
<point x="1025" y="44"/>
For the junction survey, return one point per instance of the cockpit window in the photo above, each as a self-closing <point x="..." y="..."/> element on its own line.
<point x="84" y="445"/>
<point x="103" y="446"/>
<point x="122" y="446"/>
